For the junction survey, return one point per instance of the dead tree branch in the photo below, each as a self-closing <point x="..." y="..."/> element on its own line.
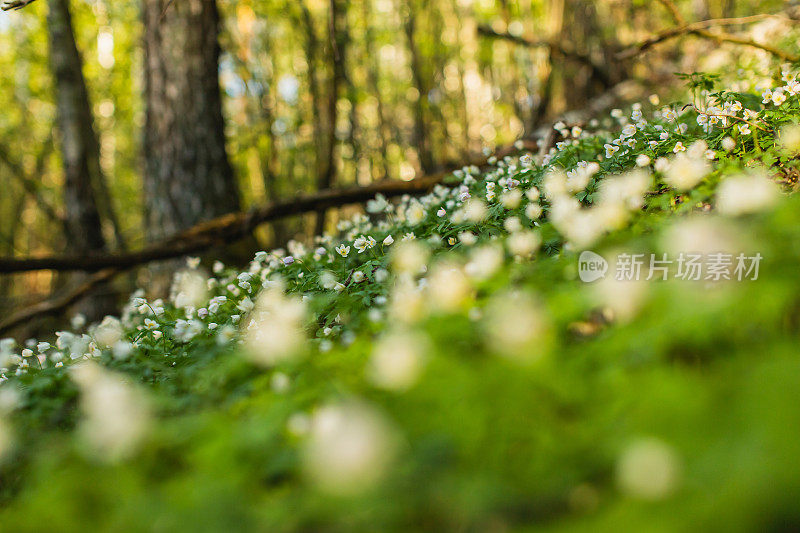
<point x="59" y="303"/>
<point x="701" y="29"/>
<point x="231" y="227"/>
<point x="15" y="4"/>
<point x="558" y="49"/>
<point x="219" y="231"/>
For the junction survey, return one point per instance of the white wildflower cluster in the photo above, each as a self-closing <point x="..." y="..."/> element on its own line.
<point x="392" y="260"/>
<point x="116" y="413"/>
<point x="687" y="168"/>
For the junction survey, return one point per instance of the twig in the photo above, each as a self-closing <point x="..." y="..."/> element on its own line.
<point x="725" y="115"/>
<point x="699" y="29"/>
<point x="673" y="10"/>
<point x="557" y="48"/>
<point x="726" y="37"/>
<point x="30" y="185"/>
<point x="15" y="4"/>
<point x="164" y="11"/>
<point x="694" y="27"/>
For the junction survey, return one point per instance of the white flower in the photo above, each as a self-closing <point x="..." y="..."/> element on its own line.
<point x="629" y="131"/>
<point x="274" y="330"/>
<point x="685" y="172"/>
<point x="475" y="210"/>
<point x="116" y="413"/>
<point x="511" y="199"/>
<point x="389" y="240"/>
<point x="728" y="144"/>
<point x="360" y="244"/>
<point x="778" y="97"/>
<point x="747" y="193"/>
<point x="642" y="160"/>
<point x="744" y="129"/>
<point x="415" y="214"/>
<point x="349" y="449"/>
<point x="523" y="243"/>
<point x="679" y="147"/>
<point x="343" y="250"/>
<point x="246" y="305"/>
<point x="533" y="211"/>
<point x="397" y="360"/>
<point x="108" y="332"/>
<point x="648" y="469"/>
<point x="610" y="149"/>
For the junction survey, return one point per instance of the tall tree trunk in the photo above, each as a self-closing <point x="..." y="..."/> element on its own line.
<point x="421" y="139"/>
<point x="326" y="179"/>
<point x="80" y="151"/>
<point x="79" y="146"/>
<point x="373" y="75"/>
<point x="188" y="177"/>
<point x="312" y="53"/>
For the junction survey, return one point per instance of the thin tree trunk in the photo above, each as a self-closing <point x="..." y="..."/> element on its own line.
<point x="421" y="140"/>
<point x="373" y="76"/>
<point x="188" y="177"/>
<point x="312" y="53"/>
<point x="328" y="177"/>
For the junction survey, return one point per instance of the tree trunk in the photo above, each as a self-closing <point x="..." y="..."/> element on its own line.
<point x="421" y="131"/>
<point x="79" y="146"/>
<point x="80" y="150"/>
<point x="335" y="22"/>
<point x="188" y="177"/>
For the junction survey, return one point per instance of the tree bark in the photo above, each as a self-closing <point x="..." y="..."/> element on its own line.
<point x="79" y="147"/>
<point x="327" y="178"/>
<point x="421" y="131"/>
<point x="188" y="177"/>
<point x="80" y="150"/>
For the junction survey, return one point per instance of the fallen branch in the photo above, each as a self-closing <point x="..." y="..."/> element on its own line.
<point x="221" y="230"/>
<point x="231" y="227"/>
<point x="59" y="303"/>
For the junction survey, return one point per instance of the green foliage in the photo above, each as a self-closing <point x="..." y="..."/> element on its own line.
<point x="537" y="400"/>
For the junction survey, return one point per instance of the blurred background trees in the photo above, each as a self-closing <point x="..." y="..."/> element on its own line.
<point x="136" y="121"/>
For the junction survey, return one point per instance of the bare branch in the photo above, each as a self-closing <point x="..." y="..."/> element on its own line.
<point x="15" y="4"/>
<point x="557" y="48"/>
<point x="30" y="185"/>
<point x="694" y="27"/>
<point x="228" y="228"/>
<point x="700" y="29"/>
<point x="673" y="10"/>
<point x="58" y="303"/>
